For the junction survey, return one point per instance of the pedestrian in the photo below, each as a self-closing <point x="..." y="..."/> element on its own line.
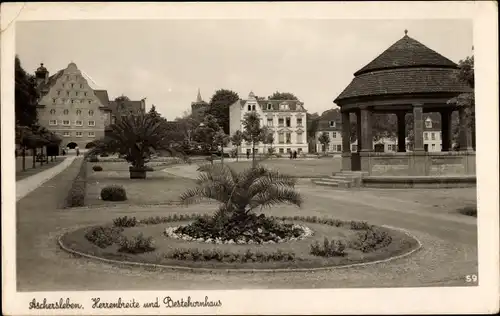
<point x="77" y="151"/>
<point x="248" y="154"/>
<point x="294" y="154"/>
<point x="291" y="154"/>
<point x="64" y="152"/>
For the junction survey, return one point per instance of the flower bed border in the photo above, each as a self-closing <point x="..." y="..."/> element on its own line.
<point x="245" y="270"/>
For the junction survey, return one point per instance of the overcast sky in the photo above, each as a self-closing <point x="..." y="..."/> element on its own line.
<point x="167" y="61"/>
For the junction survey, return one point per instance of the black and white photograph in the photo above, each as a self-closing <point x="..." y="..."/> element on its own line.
<point x="249" y="158"/>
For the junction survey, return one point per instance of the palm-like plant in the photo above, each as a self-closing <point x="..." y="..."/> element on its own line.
<point x="136" y="137"/>
<point x="242" y="193"/>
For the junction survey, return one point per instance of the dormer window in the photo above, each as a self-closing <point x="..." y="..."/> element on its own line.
<point x="284" y="106"/>
<point x="72" y="85"/>
<point x="249" y="107"/>
<point x="59" y="92"/>
<point x="332" y="123"/>
<point x="269" y="106"/>
<point x="67" y="93"/>
<point x="428" y="123"/>
<point x="81" y="86"/>
<point x="91" y="113"/>
<point x="76" y="93"/>
<point x="54" y="100"/>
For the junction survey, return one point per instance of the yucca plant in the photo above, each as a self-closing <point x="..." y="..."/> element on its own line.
<point x="136" y="137"/>
<point x="240" y="194"/>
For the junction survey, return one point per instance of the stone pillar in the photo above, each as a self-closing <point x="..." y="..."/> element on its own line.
<point x="366" y="130"/>
<point x="358" y="131"/>
<point x="401" y="131"/>
<point x="418" y="127"/>
<point x="346" y="142"/>
<point x="465" y="132"/>
<point x="446" y="132"/>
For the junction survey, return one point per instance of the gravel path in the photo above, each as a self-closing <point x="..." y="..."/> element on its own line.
<point x="449" y="249"/>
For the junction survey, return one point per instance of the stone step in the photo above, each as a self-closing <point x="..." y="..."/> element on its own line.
<point x="332" y="183"/>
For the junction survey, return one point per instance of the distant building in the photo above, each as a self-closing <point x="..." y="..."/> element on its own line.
<point x="124" y="108"/>
<point x="198" y="107"/>
<point x="70" y="108"/>
<point x="285" y="118"/>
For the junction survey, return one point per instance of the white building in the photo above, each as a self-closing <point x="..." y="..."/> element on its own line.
<point x="285" y="118"/>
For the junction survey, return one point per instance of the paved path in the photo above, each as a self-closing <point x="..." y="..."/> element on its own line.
<point x="449" y="245"/>
<point x="27" y="185"/>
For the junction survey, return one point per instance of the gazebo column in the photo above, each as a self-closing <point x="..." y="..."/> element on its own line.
<point x="366" y="130"/>
<point x="446" y="129"/>
<point x="358" y="131"/>
<point x="418" y="127"/>
<point x="401" y="131"/>
<point x="346" y="142"/>
<point x="465" y="131"/>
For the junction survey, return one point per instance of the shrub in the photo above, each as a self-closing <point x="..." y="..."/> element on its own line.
<point x="194" y="254"/>
<point x="333" y="248"/>
<point x="125" y="221"/>
<point x="103" y="236"/>
<point x="135" y="245"/>
<point x="97" y="168"/>
<point x="76" y="194"/>
<point x="359" y="225"/>
<point x="469" y="211"/>
<point x="93" y="159"/>
<point x="371" y="239"/>
<point x="113" y="193"/>
<point x="103" y="155"/>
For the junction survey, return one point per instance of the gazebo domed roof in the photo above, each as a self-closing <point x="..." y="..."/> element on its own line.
<point x="406" y="67"/>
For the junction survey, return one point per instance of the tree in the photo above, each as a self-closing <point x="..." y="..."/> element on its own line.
<point x="136" y="137"/>
<point x="239" y="195"/>
<point x="324" y="140"/>
<point x="205" y="132"/>
<point x="267" y="136"/>
<point x="122" y="98"/>
<point x="26" y="96"/>
<point x="236" y="140"/>
<point x="221" y="139"/>
<point x="252" y="131"/>
<point x="154" y="114"/>
<point x="219" y="106"/>
<point x="282" y="96"/>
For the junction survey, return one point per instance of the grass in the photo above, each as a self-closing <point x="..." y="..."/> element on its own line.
<point x="158" y="187"/>
<point x="298" y="168"/>
<point x="20" y="174"/>
<point x="401" y="243"/>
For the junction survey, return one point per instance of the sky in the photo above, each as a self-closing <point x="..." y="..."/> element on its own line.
<point x="167" y="61"/>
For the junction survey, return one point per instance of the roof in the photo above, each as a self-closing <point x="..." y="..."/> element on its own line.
<point x="407" y="67"/>
<point x="292" y="104"/>
<point x="407" y="52"/>
<point x="45" y="86"/>
<point x="134" y="106"/>
<point x="326" y="117"/>
<point x="102" y="95"/>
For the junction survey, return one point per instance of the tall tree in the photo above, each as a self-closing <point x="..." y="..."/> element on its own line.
<point x="252" y="131"/>
<point x="324" y="140"/>
<point x="205" y="132"/>
<point x="219" y="106"/>
<point x="26" y="96"/>
<point x="122" y="98"/>
<point x="236" y="140"/>
<point x="221" y="140"/>
<point x="282" y="96"/>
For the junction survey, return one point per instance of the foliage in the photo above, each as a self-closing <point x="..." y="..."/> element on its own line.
<point x="236" y="140"/>
<point x="282" y="96"/>
<point x="97" y="168"/>
<point x="113" y="193"/>
<point x="93" y="158"/>
<point x="122" y="98"/>
<point x="469" y="211"/>
<point x="125" y="221"/>
<point x="153" y="220"/>
<point x="252" y="132"/>
<point x="104" y="236"/>
<point x="136" y="137"/>
<point x="219" y="106"/>
<point x="137" y="244"/>
<point x="194" y="254"/>
<point x="324" y="140"/>
<point x="333" y="248"/>
<point x="371" y="239"/>
<point x="221" y="139"/>
<point x="26" y="96"/>
<point x="359" y="225"/>
<point x="76" y="195"/>
<point x="204" y="133"/>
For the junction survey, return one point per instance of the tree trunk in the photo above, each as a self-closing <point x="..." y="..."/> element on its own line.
<point x="253" y="154"/>
<point x="24" y="158"/>
<point x="222" y="155"/>
<point x="34" y="157"/>
<point x="237" y="153"/>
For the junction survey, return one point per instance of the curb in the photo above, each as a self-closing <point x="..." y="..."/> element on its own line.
<point x="215" y="270"/>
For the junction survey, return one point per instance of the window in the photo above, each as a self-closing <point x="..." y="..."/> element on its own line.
<point x="52" y="111"/>
<point x="332" y="123"/>
<point x="433" y="146"/>
<point x="72" y="85"/>
<point x="78" y="123"/>
<point x="299" y="138"/>
<point x="66" y="122"/>
<point x="269" y="122"/>
<point x="81" y="86"/>
<point x="53" y="100"/>
<point x="72" y="101"/>
<point x="67" y="77"/>
<point x="249" y="107"/>
<point x="79" y="134"/>
<point x="426" y="137"/>
<point x="78" y="112"/>
<point x="253" y="107"/>
<point x="288" y="122"/>
<point x="113" y="119"/>
<point x="288" y="138"/>
<point x="53" y="122"/>
<point x="67" y="93"/>
<point x="281" y="138"/>
<point x="282" y="151"/>
<point x="91" y="123"/>
<point x="66" y="112"/>
<point x="91" y="113"/>
<point x="85" y="93"/>
<point x="256" y="150"/>
<point x="288" y="150"/>
<point x="76" y="93"/>
<point x="90" y="101"/>
<point x="339" y="147"/>
<point x="433" y="136"/>
<point x="354" y="147"/>
<point x="66" y="134"/>
<point x="281" y="122"/>
<point x="428" y="123"/>
<point x="299" y="122"/>
<point x="59" y="92"/>
<point x="91" y="134"/>
<point x="300" y="150"/>
<point x="334" y="134"/>
<point x="269" y="106"/>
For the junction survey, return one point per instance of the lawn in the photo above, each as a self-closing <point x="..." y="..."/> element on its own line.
<point x="159" y="187"/>
<point x="20" y="174"/>
<point x="309" y="168"/>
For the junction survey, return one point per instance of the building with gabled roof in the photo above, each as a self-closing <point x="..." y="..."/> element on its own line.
<point x="286" y="119"/>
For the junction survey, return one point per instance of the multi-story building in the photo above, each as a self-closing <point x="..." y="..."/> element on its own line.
<point x="331" y="123"/>
<point x="70" y="108"/>
<point x="286" y="119"/>
<point x="122" y="107"/>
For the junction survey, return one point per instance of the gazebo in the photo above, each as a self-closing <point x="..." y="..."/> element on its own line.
<point x="406" y="78"/>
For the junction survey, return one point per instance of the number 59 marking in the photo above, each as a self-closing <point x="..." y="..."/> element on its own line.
<point x="471" y="278"/>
